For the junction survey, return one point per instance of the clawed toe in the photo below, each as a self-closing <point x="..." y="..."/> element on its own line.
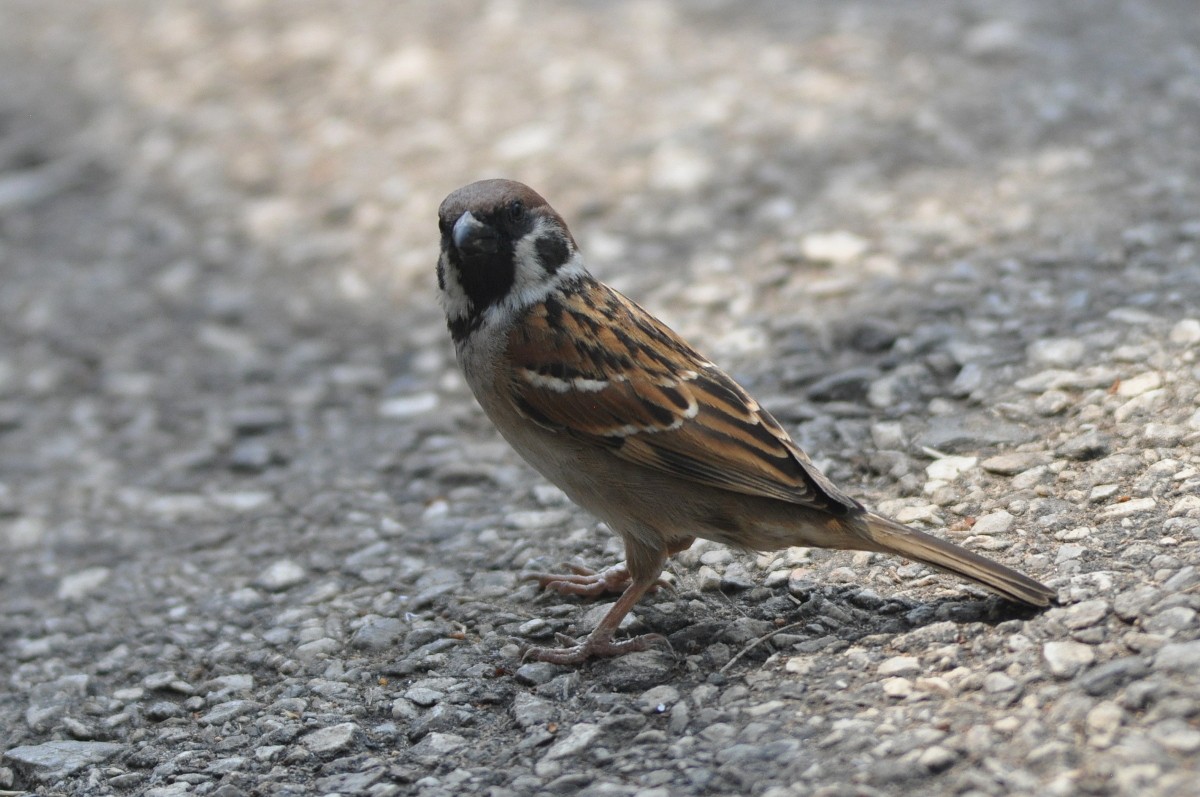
<point x="582" y="580"/>
<point x="595" y="647"/>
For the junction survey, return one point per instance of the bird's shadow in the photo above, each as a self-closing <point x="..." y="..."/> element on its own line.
<point x="821" y="619"/>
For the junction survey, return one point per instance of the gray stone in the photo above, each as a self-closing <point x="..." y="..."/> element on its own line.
<point x="577" y="739"/>
<point x="331" y="740"/>
<point x="1105" y="678"/>
<point x="256" y="420"/>
<point x="636" y="671"/>
<point x="968" y="433"/>
<point x="1089" y="445"/>
<point x="658" y="699"/>
<point x="378" y="633"/>
<point x="1170" y="622"/>
<point x="439" y="744"/>
<point x="850" y="385"/>
<point x="223" y="712"/>
<point x="439" y="719"/>
<point x="1012" y="464"/>
<point x="1056" y="352"/>
<point x="1176" y="735"/>
<point x="1182" y="657"/>
<point x="51" y="761"/>
<point x="995" y="682"/>
<point x="1085" y="614"/>
<point x="1136" y="603"/>
<point x="251" y="456"/>
<point x="351" y="782"/>
<point x="318" y="649"/>
<point x="538" y="672"/>
<point x="423" y="696"/>
<point x="531" y="711"/>
<point x="163" y="710"/>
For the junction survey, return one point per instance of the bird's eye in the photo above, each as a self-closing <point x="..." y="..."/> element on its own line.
<point x="516" y="211"/>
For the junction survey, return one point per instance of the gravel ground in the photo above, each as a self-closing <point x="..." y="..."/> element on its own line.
<point x="259" y="540"/>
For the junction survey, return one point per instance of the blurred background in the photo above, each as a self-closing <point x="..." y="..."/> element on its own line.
<point x="700" y="150"/>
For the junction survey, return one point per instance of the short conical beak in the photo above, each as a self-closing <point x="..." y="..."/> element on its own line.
<point x="473" y="237"/>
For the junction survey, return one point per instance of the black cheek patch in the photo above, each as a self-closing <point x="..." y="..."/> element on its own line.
<point x="441" y="274"/>
<point x="461" y="327"/>
<point x="553" y="252"/>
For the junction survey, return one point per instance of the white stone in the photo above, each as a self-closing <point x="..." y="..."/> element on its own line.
<point x="281" y="575"/>
<point x="798" y="665"/>
<point x="1137" y="385"/>
<point x="1163" y="434"/>
<point x="1134" y="506"/>
<point x="408" y="406"/>
<point x="242" y="500"/>
<point x="949" y="468"/>
<point x="1102" y="724"/>
<point x="74" y="586"/>
<point x="1143" y="404"/>
<point x="900" y="665"/>
<point x="999" y="522"/>
<point x="836" y="247"/>
<point x="1186" y="504"/>
<point x="658" y="699"/>
<point x="710" y="580"/>
<point x="1186" y="332"/>
<point x="937" y="758"/>
<point x="1056" y="352"/>
<point x="995" y="682"/>
<point x="1066" y="658"/>
<point x="919" y="514"/>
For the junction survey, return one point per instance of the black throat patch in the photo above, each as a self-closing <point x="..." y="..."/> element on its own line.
<point x="485" y="279"/>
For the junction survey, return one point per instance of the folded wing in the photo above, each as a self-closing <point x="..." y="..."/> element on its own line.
<point x="597" y="366"/>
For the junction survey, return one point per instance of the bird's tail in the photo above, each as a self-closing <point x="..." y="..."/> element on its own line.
<point x="888" y="536"/>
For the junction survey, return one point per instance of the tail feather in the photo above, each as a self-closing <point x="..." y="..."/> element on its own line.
<point x="888" y="536"/>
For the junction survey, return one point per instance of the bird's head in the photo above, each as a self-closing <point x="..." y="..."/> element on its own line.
<point x="503" y="249"/>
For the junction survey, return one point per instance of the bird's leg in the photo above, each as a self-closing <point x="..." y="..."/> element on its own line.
<point x="600" y="641"/>
<point x="640" y="574"/>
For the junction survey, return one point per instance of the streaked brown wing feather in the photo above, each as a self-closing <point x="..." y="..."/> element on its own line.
<point x="597" y="366"/>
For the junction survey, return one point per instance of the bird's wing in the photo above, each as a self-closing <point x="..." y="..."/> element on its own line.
<point x="595" y="365"/>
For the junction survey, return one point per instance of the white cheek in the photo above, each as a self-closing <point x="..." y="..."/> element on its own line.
<point x="531" y="283"/>
<point x="452" y="296"/>
<point x="529" y="276"/>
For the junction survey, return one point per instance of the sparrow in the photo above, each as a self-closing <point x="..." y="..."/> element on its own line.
<point x="635" y="426"/>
